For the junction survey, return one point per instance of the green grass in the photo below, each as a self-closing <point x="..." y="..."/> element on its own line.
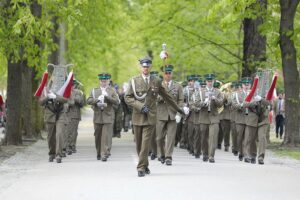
<point x="282" y="151"/>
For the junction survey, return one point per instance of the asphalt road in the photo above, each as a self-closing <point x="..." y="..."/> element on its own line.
<point x="29" y="175"/>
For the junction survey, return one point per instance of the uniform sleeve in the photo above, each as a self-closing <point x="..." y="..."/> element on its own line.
<point x="236" y="105"/>
<point x="219" y="100"/>
<point x="113" y="99"/>
<point x="90" y="100"/>
<point x="168" y="98"/>
<point x="180" y="96"/>
<point x="130" y="99"/>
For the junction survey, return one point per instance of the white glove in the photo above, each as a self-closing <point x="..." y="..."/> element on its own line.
<point x="257" y="98"/>
<point x="213" y="97"/>
<point x="186" y="110"/>
<point x="101" y="98"/>
<point x="177" y="118"/>
<point x="51" y="95"/>
<point x="104" y="93"/>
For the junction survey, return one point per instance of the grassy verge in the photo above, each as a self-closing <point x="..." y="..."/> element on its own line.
<point x="282" y="151"/>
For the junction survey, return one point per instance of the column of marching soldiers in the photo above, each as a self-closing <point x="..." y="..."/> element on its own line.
<point x="195" y="115"/>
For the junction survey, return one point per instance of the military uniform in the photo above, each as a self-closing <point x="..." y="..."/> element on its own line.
<point x="234" y="147"/>
<point x="189" y="121"/>
<point x="166" y="124"/>
<point x="103" y="116"/>
<point x="263" y="128"/>
<point x="210" y="99"/>
<point x="240" y="121"/>
<point x="225" y="122"/>
<point x="142" y="95"/>
<point x="76" y="103"/>
<point x="55" y="118"/>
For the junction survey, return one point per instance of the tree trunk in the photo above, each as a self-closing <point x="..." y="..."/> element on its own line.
<point x="254" y="43"/>
<point x="54" y="56"/>
<point x="290" y="72"/>
<point x="26" y="101"/>
<point x="36" y="117"/>
<point x="14" y="103"/>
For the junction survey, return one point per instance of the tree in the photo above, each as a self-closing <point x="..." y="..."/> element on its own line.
<point x="290" y="70"/>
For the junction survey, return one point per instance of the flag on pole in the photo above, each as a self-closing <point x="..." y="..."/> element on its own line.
<point x="40" y="90"/>
<point x="66" y="89"/>
<point x="253" y="89"/>
<point x="272" y="88"/>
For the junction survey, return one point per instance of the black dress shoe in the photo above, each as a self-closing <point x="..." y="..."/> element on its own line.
<point x="141" y="173"/>
<point x="211" y="160"/>
<point x="219" y="146"/>
<point x="241" y="157"/>
<point x="162" y="159"/>
<point x="261" y="162"/>
<point x="69" y="152"/>
<point x="168" y="161"/>
<point x="205" y="158"/>
<point x="226" y="149"/>
<point x="253" y="160"/>
<point x="98" y="157"/>
<point x="197" y="156"/>
<point x="58" y="159"/>
<point x="181" y="146"/>
<point x="104" y="159"/>
<point x="235" y="153"/>
<point x="247" y="160"/>
<point x="51" y="158"/>
<point x="153" y="156"/>
<point x="147" y="171"/>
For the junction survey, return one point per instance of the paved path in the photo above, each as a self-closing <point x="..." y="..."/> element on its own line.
<point x="28" y="175"/>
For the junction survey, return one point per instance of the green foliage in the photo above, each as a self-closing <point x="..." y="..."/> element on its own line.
<point x="201" y="36"/>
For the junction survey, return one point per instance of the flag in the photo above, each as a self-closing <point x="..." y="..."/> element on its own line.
<point x="66" y="89"/>
<point x="40" y="90"/>
<point x="272" y="88"/>
<point x="253" y="89"/>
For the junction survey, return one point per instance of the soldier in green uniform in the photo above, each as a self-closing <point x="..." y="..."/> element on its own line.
<point x="240" y="115"/>
<point x="141" y="95"/>
<point x="188" y="93"/>
<point x="235" y="87"/>
<point x="76" y="103"/>
<point x="166" y="124"/>
<point x="102" y="100"/>
<point x="118" y="123"/>
<point x="55" y="118"/>
<point x="210" y="99"/>
<point x="153" y="145"/>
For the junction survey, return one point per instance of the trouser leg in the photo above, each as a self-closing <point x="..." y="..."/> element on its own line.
<point x="61" y="129"/>
<point x="161" y="127"/>
<point x="213" y="139"/>
<point x="262" y="141"/>
<point x="51" y="138"/>
<point x="234" y="136"/>
<point x="204" y="131"/>
<point x="240" y="128"/>
<point x="250" y="141"/>
<point x="225" y="125"/>
<point x="197" y="140"/>
<point x="171" y="133"/>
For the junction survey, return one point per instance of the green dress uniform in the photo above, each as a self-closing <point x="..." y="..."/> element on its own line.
<point x="141" y="96"/>
<point x="55" y="118"/>
<point x="166" y="124"/>
<point x="76" y="103"/>
<point x="103" y="117"/>
<point x="210" y="99"/>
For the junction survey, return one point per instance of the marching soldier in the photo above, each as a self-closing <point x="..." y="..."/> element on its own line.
<point x="55" y="118"/>
<point x="210" y="99"/>
<point x="263" y="127"/>
<point x="153" y="144"/>
<point x="240" y="115"/>
<point x="225" y="122"/>
<point x="118" y="123"/>
<point x="235" y="88"/>
<point x="166" y="124"/>
<point x="102" y="100"/>
<point x="142" y="95"/>
<point x="188" y="93"/>
<point x="76" y="103"/>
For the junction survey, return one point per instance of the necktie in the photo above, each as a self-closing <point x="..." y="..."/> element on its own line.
<point x="147" y="81"/>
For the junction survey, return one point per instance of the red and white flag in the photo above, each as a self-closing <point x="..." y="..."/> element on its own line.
<point x="40" y="90"/>
<point x="66" y="89"/>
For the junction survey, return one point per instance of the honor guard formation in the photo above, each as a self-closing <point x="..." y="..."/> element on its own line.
<point x="199" y="114"/>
